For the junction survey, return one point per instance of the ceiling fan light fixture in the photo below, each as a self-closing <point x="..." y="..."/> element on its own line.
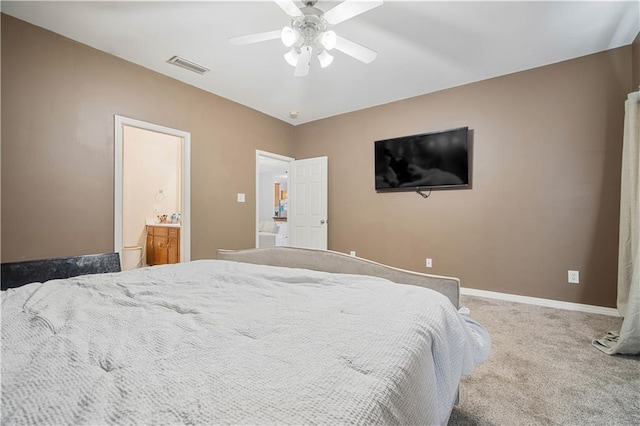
<point x="325" y="59"/>
<point x="308" y="33"/>
<point x="328" y="39"/>
<point x="289" y="36"/>
<point x="292" y="57"/>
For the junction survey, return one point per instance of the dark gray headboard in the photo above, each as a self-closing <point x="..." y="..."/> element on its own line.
<point x="15" y="274"/>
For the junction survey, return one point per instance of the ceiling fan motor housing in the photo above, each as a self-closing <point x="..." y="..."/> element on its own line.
<point x="310" y="27"/>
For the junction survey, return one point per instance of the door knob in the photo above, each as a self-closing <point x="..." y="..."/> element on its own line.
<point x="322" y="222"/>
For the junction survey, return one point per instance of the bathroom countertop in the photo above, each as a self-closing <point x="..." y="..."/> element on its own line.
<point x="167" y="225"/>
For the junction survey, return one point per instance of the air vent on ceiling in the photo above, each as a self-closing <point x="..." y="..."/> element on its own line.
<point x="191" y="66"/>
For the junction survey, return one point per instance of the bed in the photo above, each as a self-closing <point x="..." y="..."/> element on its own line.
<point x="257" y="336"/>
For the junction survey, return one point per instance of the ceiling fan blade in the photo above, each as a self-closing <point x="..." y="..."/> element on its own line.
<point x="361" y="53"/>
<point x="348" y="9"/>
<point x="304" y="62"/>
<point x="290" y="8"/>
<point x="255" y="38"/>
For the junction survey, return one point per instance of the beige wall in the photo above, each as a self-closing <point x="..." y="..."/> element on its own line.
<point x="545" y="169"/>
<point x="635" y="70"/>
<point x="546" y="172"/>
<point x="0" y="139"/>
<point x="151" y="184"/>
<point x="59" y="99"/>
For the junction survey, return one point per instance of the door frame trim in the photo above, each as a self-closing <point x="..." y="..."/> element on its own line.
<point x="185" y="228"/>
<point x="259" y="154"/>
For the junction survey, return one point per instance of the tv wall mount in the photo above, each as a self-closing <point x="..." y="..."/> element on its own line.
<point x="419" y="191"/>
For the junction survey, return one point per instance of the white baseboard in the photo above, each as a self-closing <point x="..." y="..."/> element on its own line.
<point x="541" y="302"/>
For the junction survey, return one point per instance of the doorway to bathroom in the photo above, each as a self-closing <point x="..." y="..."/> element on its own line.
<point x="152" y="194"/>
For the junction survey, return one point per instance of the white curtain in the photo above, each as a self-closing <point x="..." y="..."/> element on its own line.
<point x="627" y="341"/>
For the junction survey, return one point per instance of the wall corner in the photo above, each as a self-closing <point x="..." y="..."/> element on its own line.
<point x="635" y="63"/>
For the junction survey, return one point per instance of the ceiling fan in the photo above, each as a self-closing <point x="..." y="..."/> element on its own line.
<point x="309" y="34"/>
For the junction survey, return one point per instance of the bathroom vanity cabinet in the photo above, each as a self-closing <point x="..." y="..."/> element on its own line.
<point x="163" y="244"/>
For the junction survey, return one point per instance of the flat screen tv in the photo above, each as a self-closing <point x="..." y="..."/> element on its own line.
<point x="437" y="160"/>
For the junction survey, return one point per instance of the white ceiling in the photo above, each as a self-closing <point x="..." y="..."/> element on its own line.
<point x="423" y="46"/>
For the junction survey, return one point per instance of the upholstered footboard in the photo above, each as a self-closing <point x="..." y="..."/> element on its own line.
<point x="331" y="261"/>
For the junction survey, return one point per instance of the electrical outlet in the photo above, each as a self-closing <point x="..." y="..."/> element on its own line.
<point x="574" y="277"/>
<point x="353" y="253"/>
<point x="429" y="263"/>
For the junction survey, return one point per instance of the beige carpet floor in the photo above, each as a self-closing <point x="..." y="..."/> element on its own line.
<point x="542" y="370"/>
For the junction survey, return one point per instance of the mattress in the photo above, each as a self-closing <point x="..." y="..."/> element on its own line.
<point x="218" y="342"/>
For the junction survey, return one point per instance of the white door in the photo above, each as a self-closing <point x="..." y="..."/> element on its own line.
<point x="308" y="221"/>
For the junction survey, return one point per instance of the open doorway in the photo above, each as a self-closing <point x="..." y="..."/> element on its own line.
<point x="152" y="194"/>
<point x="291" y="201"/>
<point x="272" y="201"/>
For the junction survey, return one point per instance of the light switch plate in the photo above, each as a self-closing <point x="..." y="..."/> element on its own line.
<point x="574" y="277"/>
<point x="240" y="197"/>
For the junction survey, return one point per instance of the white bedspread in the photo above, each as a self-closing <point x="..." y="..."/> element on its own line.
<point x="212" y="342"/>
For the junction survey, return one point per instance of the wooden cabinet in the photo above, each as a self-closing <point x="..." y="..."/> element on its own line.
<point x="279" y="200"/>
<point x="163" y="245"/>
